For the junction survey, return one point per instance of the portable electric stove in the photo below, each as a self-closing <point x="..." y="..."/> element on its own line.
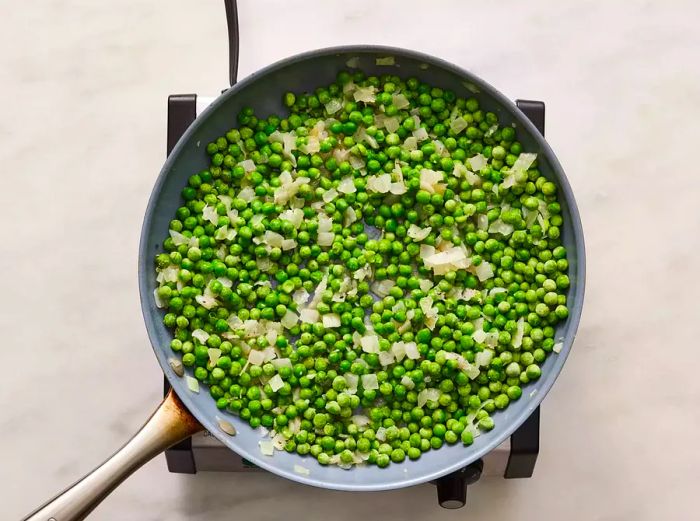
<point x="514" y="458"/>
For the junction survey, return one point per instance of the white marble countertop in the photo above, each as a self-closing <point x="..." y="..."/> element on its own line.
<point x="82" y="138"/>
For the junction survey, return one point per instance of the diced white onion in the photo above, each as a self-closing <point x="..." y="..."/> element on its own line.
<point x="380" y="183"/>
<point x="347" y="185"/>
<point x="267" y="447"/>
<point x="159" y="301"/>
<point x="400" y="101"/>
<point x="273" y="239"/>
<point x="382" y="288"/>
<point x="350" y="216"/>
<point x="210" y="214"/>
<point x="523" y="162"/>
<point x="477" y="162"/>
<point x="256" y="357"/>
<point x="178" y="238"/>
<point x="398" y="188"/>
<point x="277" y="363"/>
<point x="484" y="271"/>
<point x="418" y="234"/>
<point x="558" y="347"/>
<point x="192" y="383"/>
<point x="498" y="226"/>
<point x="294" y="216"/>
<point x="300" y="296"/>
<point x="386" y="358"/>
<point x="360" y="420"/>
<point x="412" y="350"/>
<point x="420" y="134"/>
<point x="411" y="143"/>
<point x="388" y="60"/>
<point x="483" y="358"/>
<point x="432" y="181"/>
<point x="392" y="124"/>
<point x="407" y="382"/>
<point x="365" y="94"/>
<point x="299" y="469"/>
<point x="214" y="355"/>
<point x="289" y="244"/>
<point x="309" y="316"/>
<point x="325" y="223"/>
<point x="331" y="320"/>
<point x="370" y="344"/>
<point x="427" y="395"/>
<point x="458" y="124"/>
<point x="276" y="383"/>
<point x="329" y="195"/>
<point x="351" y="381"/>
<point x="333" y="106"/>
<point x="399" y="350"/>
<point x="369" y="382"/>
<point x="248" y="165"/>
<point x="200" y="335"/>
<point x="325" y="238"/>
<point x="519" y="332"/>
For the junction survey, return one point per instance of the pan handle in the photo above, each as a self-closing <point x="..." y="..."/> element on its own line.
<point x="233" y="46"/>
<point x="170" y="423"/>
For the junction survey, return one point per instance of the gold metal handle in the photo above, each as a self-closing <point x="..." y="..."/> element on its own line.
<point x="168" y="425"/>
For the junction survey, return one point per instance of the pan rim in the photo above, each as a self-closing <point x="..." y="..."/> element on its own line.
<point x="547" y="381"/>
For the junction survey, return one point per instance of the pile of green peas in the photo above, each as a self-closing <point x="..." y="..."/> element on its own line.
<point x="245" y="279"/>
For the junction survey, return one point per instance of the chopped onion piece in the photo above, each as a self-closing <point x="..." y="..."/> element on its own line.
<point x="407" y="382"/>
<point x="483" y="358"/>
<point x="178" y="238"/>
<point x="558" y="347"/>
<point x="398" y="188"/>
<point x="267" y="447"/>
<point x="381" y="434"/>
<point x="347" y="186"/>
<point x="248" y="165"/>
<point x="479" y="336"/>
<point x="350" y="216"/>
<point x="498" y="226"/>
<point x="200" y="335"/>
<point x="420" y="134"/>
<point x="360" y="420"/>
<point x="209" y="213"/>
<point x="192" y="384"/>
<point x="427" y="395"/>
<point x="325" y="238"/>
<point x="276" y="383"/>
<point x="418" y="234"/>
<point x="519" y="332"/>
<point x="484" y="271"/>
<point x="289" y="244"/>
<point x="477" y="162"/>
<point x="388" y="60"/>
<point x="273" y="239"/>
<point x="482" y="222"/>
<point x="294" y="216"/>
<point x="392" y="124"/>
<point x="399" y="101"/>
<point x="300" y="296"/>
<point x="256" y="357"/>
<point x="277" y="363"/>
<point x="176" y="366"/>
<point x="369" y="381"/>
<point x="432" y="181"/>
<point x="309" y="316"/>
<point x="365" y="94"/>
<point x="412" y="350"/>
<point x="214" y="355"/>
<point x="425" y="285"/>
<point x="331" y="320"/>
<point x="411" y="143"/>
<point x="351" y="381"/>
<point x="299" y="469"/>
<point x="159" y="301"/>
<point x="523" y="162"/>
<point x="399" y="350"/>
<point x="458" y="124"/>
<point x="386" y="358"/>
<point x="370" y="344"/>
<point x="329" y="195"/>
<point x="333" y="106"/>
<point x="380" y="183"/>
<point x="325" y="223"/>
<point x="382" y="288"/>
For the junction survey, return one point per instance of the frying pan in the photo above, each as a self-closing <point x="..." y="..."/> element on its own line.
<point x="183" y="413"/>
